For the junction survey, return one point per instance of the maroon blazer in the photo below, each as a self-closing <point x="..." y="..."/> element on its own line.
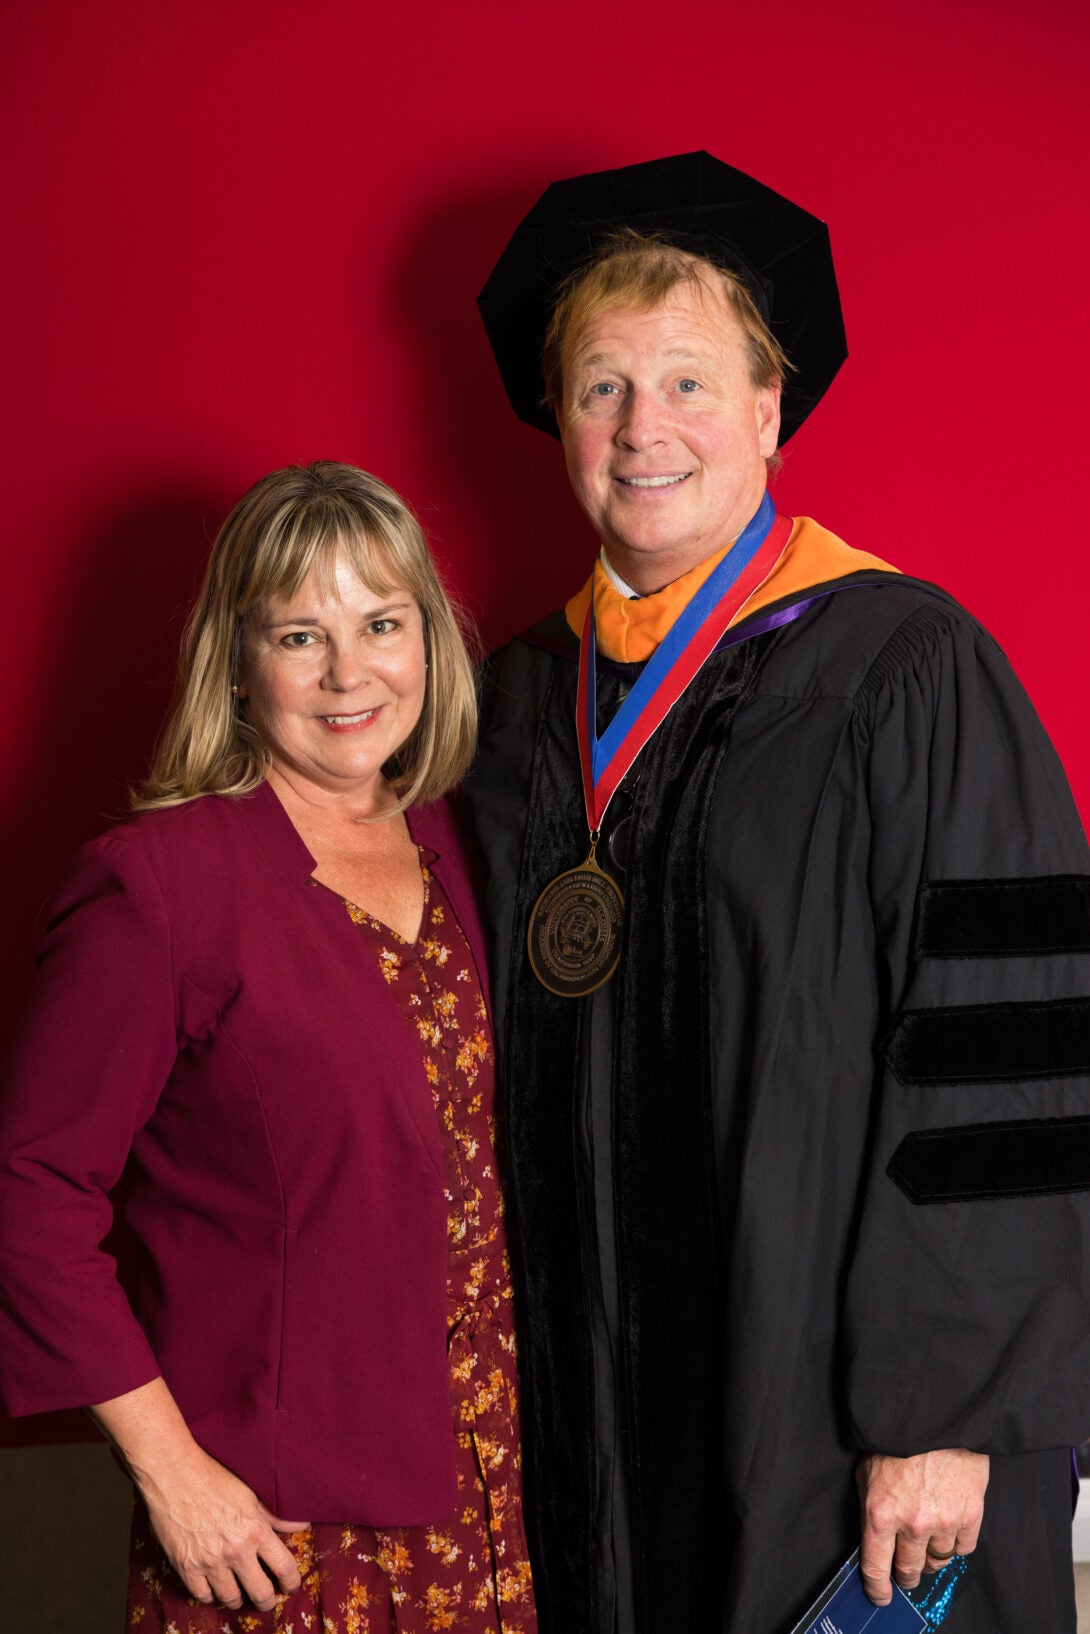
<point x="208" y="1022"/>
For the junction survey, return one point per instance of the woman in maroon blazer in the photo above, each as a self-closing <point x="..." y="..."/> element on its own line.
<point x="259" y="1009"/>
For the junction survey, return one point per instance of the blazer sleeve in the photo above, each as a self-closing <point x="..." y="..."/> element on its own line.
<point x="968" y="1296"/>
<point x="95" y="1048"/>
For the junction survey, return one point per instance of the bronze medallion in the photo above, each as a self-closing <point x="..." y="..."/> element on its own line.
<point x="574" y="939"/>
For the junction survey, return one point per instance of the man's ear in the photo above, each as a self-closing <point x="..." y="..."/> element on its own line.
<point x="768" y="419"/>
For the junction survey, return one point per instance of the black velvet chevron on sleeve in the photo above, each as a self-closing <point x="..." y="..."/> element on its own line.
<point x="990" y="1043"/>
<point x="1030" y="1157"/>
<point x="1003" y="918"/>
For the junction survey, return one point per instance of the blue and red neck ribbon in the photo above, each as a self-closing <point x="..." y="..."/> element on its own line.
<point x="674" y="664"/>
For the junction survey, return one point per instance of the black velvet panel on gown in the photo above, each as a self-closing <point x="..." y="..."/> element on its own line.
<point x="665" y="1192"/>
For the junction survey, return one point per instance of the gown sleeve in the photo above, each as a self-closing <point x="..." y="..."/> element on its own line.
<point x="968" y="1295"/>
<point x="94" y="1051"/>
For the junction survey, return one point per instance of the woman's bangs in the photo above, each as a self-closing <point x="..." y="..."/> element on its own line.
<point x="301" y="545"/>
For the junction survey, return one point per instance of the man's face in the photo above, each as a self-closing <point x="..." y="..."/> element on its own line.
<point x="664" y="434"/>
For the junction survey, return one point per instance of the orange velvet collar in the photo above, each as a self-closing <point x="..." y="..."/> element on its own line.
<point x="629" y="631"/>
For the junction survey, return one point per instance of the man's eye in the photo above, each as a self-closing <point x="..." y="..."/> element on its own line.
<point x="603" y="388"/>
<point x="688" y="385"/>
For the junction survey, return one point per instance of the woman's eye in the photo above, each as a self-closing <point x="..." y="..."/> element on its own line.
<point x="688" y="386"/>
<point x="297" y="639"/>
<point x="381" y="626"/>
<point x="603" y="388"/>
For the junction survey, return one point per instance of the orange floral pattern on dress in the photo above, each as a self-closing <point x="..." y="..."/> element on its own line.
<point x="470" y="1573"/>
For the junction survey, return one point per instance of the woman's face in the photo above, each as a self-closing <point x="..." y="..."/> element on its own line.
<point x="335" y="683"/>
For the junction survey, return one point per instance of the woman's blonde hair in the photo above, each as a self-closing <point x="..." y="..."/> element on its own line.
<point x="291" y="523"/>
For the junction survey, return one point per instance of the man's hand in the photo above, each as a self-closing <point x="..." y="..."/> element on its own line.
<point x="916" y="1513"/>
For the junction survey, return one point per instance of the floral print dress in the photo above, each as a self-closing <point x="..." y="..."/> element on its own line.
<point x="471" y="1573"/>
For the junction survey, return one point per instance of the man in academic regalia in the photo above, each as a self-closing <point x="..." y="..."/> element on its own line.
<point x="792" y="920"/>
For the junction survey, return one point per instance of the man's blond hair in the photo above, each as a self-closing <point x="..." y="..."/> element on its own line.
<point x="637" y="271"/>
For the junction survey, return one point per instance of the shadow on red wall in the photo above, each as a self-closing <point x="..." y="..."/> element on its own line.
<point x="95" y="708"/>
<point x="531" y="546"/>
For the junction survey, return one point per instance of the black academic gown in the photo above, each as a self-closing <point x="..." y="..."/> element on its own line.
<point x="811" y="1197"/>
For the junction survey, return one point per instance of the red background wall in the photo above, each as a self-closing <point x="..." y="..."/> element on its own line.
<point x="250" y="232"/>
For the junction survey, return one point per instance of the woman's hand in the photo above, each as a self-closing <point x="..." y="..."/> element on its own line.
<point x="218" y="1536"/>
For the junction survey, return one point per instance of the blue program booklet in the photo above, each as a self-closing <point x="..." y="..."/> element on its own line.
<point x="843" y="1608"/>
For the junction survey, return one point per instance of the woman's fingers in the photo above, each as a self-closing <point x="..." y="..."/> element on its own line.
<point x="225" y="1589"/>
<point x="278" y="1558"/>
<point x="254" y="1568"/>
<point x="233" y="1568"/>
<point x="249" y="1572"/>
<point x="198" y="1586"/>
<point x="221" y="1540"/>
<point x="247" y="1579"/>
